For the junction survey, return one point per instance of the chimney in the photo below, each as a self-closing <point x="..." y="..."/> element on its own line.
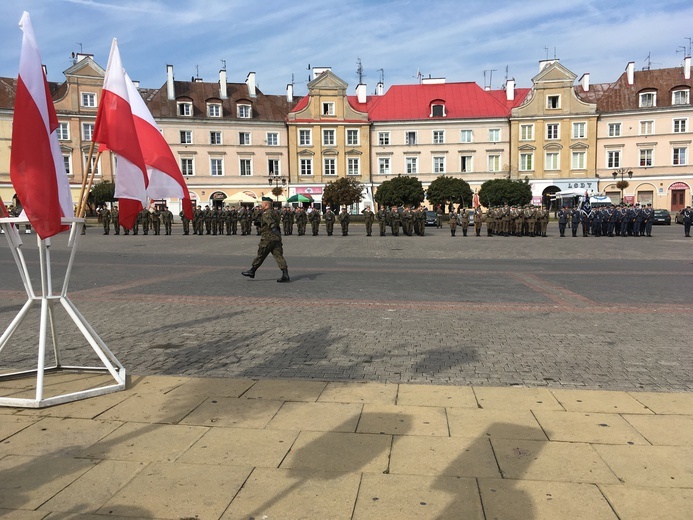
<point x="585" y="81"/>
<point x="687" y="67"/>
<point x="290" y="93"/>
<point x="81" y="56"/>
<point x="432" y="81"/>
<point x="45" y="70"/>
<point x="545" y="63"/>
<point x="170" y="89"/>
<point x="136" y="83"/>
<point x="361" y="92"/>
<point x="630" y="72"/>
<point x="222" y="84"/>
<point x="379" y="88"/>
<point x="250" y="81"/>
<point x="510" y="90"/>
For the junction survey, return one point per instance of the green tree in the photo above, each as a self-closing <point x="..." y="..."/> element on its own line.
<point x="102" y="193"/>
<point x="403" y="190"/>
<point x="444" y="190"/>
<point x="497" y="192"/>
<point x="342" y="192"/>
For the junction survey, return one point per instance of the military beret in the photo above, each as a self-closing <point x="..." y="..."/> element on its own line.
<point x="268" y="199"/>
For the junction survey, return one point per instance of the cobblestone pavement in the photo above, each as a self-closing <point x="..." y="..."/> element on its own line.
<point x="595" y="313"/>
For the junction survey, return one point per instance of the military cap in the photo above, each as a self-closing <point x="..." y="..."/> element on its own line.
<point x="268" y="199"/>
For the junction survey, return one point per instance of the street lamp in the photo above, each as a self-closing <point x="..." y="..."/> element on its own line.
<point x="276" y="181"/>
<point x="622" y="184"/>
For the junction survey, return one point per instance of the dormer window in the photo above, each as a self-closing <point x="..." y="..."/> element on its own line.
<point x="185" y="108"/>
<point x="244" y="111"/>
<point x="648" y="100"/>
<point x="214" y="110"/>
<point x="681" y="97"/>
<point x="437" y="110"/>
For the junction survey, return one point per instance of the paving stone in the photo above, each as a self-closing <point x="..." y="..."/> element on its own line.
<point x="323" y="417"/>
<point x="236" y="412"/>
<point x="212" y="387"/>
<point x="372" y="393"/>
<point x="403" y="497"/>
<point x="504" y="424"/>
<point x="516" y="398"/>
<point x="650" y="466"/>
<point x="664" y="430"/>
<point x="666" y="403"/>
<point x="289" y="390"/>
<point x="600" y="428"/>
<point x="153" y="407"/>
<point x="599" y="401"/>
<point x="523" y="499"/>
<point x="294" y="493"/>
<point x="403" y="420"/>
<point x="435" y="395"/>
<point x="640" y="503"/>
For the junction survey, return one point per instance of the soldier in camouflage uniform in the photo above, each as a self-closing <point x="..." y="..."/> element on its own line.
<point x="233" y="219"/>
<point x="186" y="222"/>
<point x="156" y="221"/>
<point x="453" y="223"/>
<point x="115" y="220"/>
<point x="368" y="217"/>
<point x="382" y="220"/>
<point x="167" y="219"/>
<point x="464" y="221"/>
<point x="255" y="217"/>
<point x="314" y="219"/>
<point x="105" y="216"/>
<point x="270" y="241"/>
<point x="395" y="220"/>
<point x="329" y="221"/>
<point x="198" y="220"/>
<point x="344" y="218"/>
<point x="301" y="221"/>
<point x="145" y="220"/>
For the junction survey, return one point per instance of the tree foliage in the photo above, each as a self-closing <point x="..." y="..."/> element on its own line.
<point x="444" y="190"/>
<point x="102" y="193"/>
<point x="342" y="192"/>
<point x="401" y="190"/>
<point x="497" y="192"/>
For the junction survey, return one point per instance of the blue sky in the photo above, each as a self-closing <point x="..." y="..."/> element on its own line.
<point x="455" y="39"/>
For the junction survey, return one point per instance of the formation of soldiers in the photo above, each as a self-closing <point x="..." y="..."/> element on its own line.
<point x="610" y="221"/>
<point x="147" y="219"/>
<point x="412" y="221"/>
<point x="514" y="220"/>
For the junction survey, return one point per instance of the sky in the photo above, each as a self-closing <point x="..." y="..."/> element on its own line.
<point x="460" y="40"/>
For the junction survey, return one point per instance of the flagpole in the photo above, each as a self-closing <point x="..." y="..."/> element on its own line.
<point x="91" y="173"/>
<point x="84" y="181"/>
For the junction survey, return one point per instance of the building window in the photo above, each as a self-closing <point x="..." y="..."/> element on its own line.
<point x="244" y="138"/>
<point x="648" y="99"/>
<point x="328" y="137"/>
<point x="466" y="163"/>
<point x="412" y="165"/>
<point x="329" y="167"/>
<point x="646" y="157"/>
<point x="579" y="161"/>
<point x="579" y="130"/>
<point x="680" y="125"/>
<point x="95" y="165"/>
<point x="246" y="167"/>
<point x="646" y="127"/>
<point x="306" y="167"/>
<point x="526" y="162"/>
<point x="215" y="137"/>
<point x="438" y="136"/>
<point x="410" y="138"/>
<point x="305" y="138"/>
<point x="186" y="166"/>
<point x="494" y="135"/>
<point x="67" y="162"/>
<point x="680" y="97"/>
<point x="216" y="167"/>
<point x="87" y="131"/>
<point x="437" y="110"/>
<point x="63" y="131"/>
<point x="552" y="131"/>
<point x="214" y="110"/>
<point x="186" y="137"/>
<point x="466" y="136"/>
<point x="553" y="102"/>
<point x="439" y="165"/>
<point x="352" y="137"/>
<point x="273" y="167"/>
<point x="679" y="156"/>
<point x="353" y="166"/>
<point x="551" y="161"/>
<point x="613" y="159"/>
<point x="526" y="132"/>
<point x="494" y="163"/>
<point x="272" y="139"/>
<point x="328" y="109"/>
<point x="383" y="138"/>
<point x="88" y="100"/>
<point x="614" y="129"/>
<point x="384" y="166"/>
<point x="185" y="108"/>
<point x="244" y="111"/>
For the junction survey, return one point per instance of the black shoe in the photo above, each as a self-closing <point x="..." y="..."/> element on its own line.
<point x="250" y="273"/>
<point x="285" y="277"/>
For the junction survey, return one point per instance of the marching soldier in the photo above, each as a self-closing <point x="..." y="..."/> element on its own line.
<point x="270" y="241"/>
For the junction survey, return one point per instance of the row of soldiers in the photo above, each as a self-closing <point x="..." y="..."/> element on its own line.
<point x="147" y="218"/>
<point x="623" y="220"/>
<point x="506" y="220"/>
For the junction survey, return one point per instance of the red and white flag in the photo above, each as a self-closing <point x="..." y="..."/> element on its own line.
<point x="114" y="129"/>
<point x="475" y="200"/>
<point x="37" y="168"/>
<point x="165" y="177"/>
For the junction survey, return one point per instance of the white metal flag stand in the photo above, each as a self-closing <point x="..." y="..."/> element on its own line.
<point x="47" y="301"/>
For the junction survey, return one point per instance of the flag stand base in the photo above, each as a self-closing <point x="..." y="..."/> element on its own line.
<point x="47" y="302"/>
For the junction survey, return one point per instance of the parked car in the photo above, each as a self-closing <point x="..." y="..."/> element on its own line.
<point x="431" y="218"/>
<point x="661" y="216"/>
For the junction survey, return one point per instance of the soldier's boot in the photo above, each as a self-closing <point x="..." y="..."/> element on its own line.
<point x="285" y="276"/>
<point x="250" y="273"/>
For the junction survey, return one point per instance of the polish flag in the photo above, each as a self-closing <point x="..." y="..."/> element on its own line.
<point x="165" y="177"/>
<point x="114" y="129"/>
<point x="37" y="169"/>
<point x="475" y="200"/>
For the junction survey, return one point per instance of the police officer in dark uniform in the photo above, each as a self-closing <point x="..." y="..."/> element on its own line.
<point x="562" y="220"/>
